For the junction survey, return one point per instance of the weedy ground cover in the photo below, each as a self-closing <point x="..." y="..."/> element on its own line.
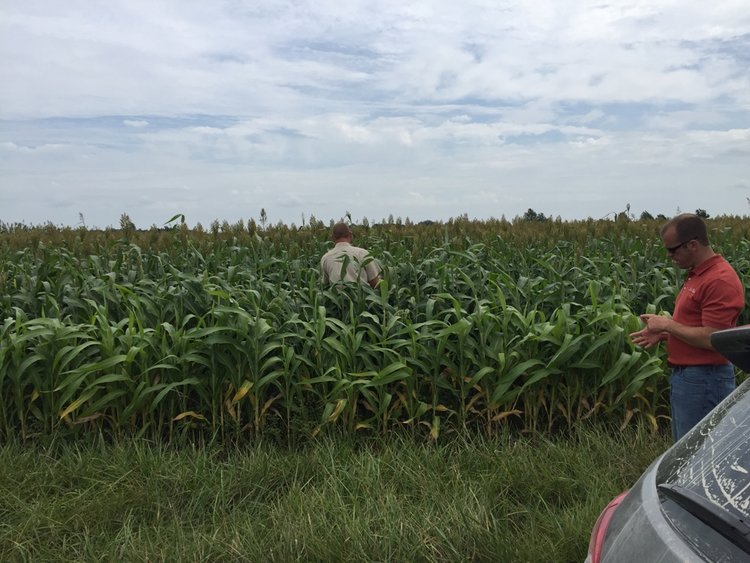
<point x="505" y="498"/>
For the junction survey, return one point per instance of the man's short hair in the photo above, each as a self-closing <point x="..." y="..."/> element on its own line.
<point x="340" y="230"/>
<point x="688" y="227"/>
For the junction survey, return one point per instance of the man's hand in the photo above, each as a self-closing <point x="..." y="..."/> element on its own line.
<point x="657" y="323"/>
<point x="646" y="339"/>
<point x="659" y="326"/>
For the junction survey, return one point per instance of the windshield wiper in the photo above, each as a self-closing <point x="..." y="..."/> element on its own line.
<point x="734" y="529"/>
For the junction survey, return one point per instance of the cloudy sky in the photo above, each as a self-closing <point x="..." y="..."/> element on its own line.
<point x="426" y="109"/>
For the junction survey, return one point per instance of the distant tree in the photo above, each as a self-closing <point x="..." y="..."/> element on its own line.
<point x="125" y="223"/>
<point x="702" y="213"/>
<point x="661" y="217"/>
<point x="532" y="215"/>
<point x="263" y="217"/>
<point x="646" y="216"/>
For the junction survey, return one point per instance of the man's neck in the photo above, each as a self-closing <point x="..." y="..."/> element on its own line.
<point x="706" y="254"/>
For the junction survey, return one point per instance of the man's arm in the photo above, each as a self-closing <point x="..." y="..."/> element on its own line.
<point x="373" y="271"/>
<point x="323" y="271"/>
<point x="698" y="336"/>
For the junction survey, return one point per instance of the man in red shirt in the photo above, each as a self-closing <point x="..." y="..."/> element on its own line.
<point x="711" y="299"/>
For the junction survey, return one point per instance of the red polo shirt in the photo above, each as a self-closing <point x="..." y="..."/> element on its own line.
<point x="712" y="295"/>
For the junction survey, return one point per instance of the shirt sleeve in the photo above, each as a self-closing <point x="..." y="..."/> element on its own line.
<point x="372" y="268"/>
<point x="721" y="305"/>
<point x="323" y="272"/>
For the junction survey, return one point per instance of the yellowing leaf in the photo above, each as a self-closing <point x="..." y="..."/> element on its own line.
<point x="340" y="404"/>
<point x="628" y="415"/>
<point x="242" y="391"/>
<point x="435" y="430"/>
<point x="85" y="419"/>
<point x="191" y="414"/>
<point x="71" y="407"/>
<point x="506" y="414"/>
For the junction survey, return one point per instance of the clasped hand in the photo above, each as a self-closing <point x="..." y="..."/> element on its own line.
<point x="654" y="331"/>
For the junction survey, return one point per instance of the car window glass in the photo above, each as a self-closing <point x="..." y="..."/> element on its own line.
<point x="710" y="543"/>
<point x="713" y="461"/>
<point x="714" y="458"/>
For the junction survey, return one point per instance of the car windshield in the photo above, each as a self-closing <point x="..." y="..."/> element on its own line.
<point x="711" y="463"/>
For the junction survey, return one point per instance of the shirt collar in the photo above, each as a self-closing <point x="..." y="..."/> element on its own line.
<point x="705" y="265"/>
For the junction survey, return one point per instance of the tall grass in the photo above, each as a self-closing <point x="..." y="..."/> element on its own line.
<point x="500" y="499"/>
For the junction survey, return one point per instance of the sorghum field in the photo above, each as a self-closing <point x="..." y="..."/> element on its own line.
<point x="190" y="394"/>
<point x="229" y="333"/>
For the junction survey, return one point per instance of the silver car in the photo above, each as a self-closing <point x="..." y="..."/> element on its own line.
<point x="693" y="502"/>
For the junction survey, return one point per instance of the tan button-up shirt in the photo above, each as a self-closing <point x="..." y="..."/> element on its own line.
<point x="359" y="265"/>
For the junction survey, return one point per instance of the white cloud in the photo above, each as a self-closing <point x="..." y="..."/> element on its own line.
<point x="138" y="123"/>
<point x="426" y="109"/>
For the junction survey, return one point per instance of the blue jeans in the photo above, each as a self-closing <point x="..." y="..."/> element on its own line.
<point x="695" y="391"/>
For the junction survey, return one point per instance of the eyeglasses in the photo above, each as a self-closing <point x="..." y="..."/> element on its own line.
<point x="673" y="249"/>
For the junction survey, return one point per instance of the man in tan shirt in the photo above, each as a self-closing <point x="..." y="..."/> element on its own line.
<point x="348" y="263"/>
